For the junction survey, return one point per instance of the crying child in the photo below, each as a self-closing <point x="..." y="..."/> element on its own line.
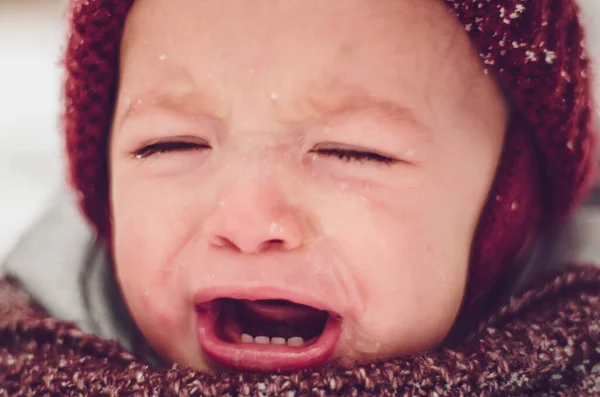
<point x="297" y="182"/>
<point x="285" y="184"/>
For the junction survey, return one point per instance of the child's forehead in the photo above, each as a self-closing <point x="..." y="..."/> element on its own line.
<point x="275" y="26"/>
<point x="312" y="56"/>
<point x="334" y="38"/>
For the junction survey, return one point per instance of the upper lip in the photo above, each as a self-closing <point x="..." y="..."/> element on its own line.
<point x="205" y="296"/>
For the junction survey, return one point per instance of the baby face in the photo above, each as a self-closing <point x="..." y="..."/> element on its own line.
<point x="298" y="182"/>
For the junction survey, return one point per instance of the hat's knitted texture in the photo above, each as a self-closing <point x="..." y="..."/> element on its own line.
<point x="534" y="48"/>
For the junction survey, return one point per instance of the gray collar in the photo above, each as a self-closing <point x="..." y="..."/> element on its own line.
<point x="61" y="267"/>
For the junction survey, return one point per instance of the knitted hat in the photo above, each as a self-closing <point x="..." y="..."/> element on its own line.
<point x="535" y="48"/>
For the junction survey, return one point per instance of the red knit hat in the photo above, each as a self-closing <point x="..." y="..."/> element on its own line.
<point x="535" y="49"/>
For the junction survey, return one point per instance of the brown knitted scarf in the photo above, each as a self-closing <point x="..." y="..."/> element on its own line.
<point x="546" y="342"/>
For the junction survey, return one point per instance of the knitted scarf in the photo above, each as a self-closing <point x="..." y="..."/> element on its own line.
<point x="546" y="341"/>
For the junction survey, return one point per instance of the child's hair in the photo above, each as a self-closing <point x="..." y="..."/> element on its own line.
<point x="534" y="48"/>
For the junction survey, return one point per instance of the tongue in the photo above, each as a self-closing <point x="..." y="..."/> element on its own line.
<point x="281" y="318"/>
<point x="281" y="311"/>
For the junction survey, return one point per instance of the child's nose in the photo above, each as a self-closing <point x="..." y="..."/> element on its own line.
<point x="255" y="219"/>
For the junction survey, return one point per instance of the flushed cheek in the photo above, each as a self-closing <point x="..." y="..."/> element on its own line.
<point x="154" y="305"/>
<point x="395" y="256"/>
<point x="159" y="307"/>
<point x="411" y="300"/>
<point x="366" y="234"/>
<point x="149" y="231"/>
<point x="143" y="268"/>
<point x="153" y="219"/>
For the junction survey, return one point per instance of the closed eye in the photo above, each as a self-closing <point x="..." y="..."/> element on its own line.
<point x="353" y="155"/>
<point x="167" y="147"/>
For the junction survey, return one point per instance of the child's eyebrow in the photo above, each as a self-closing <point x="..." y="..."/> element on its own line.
<point x="341" y="98"/>
<point x="177" y="99"/>
<point x="323" y="101"/>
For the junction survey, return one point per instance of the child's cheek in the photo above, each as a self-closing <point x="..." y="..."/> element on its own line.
<point x="151" y="223"/>
<point x="152" y="219"/>
<point x="397" y="251"/>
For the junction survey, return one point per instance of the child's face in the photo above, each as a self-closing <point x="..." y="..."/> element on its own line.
<point x="335" y="154"/>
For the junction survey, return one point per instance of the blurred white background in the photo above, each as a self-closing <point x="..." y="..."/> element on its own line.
<point x="31" y="36"/>
<point x="32" y="33"/>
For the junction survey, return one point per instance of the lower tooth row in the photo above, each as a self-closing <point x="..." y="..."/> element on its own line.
<point x="295" y="341"/>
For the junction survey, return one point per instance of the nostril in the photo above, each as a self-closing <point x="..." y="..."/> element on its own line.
<point x="268" y="245"/>
<point x="223" y="242"/>
<point x="272" y="244"/>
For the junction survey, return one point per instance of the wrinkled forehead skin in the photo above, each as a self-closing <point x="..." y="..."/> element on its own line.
<point x="534" y="48"/>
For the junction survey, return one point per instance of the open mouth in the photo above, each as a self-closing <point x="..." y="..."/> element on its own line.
<point x="266" y="335"/>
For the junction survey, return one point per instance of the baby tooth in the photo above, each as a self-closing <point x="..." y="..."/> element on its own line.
<point x="296" y="341"/>
<point x="277" y="341"/>
<point x="247" y="338"/>
<point x="262" y="340"/>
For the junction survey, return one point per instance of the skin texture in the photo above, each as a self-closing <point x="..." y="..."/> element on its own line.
<point x="261" y="97"/>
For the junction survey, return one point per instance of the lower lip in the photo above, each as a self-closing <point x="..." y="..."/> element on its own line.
<point x="255" y="357"/>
